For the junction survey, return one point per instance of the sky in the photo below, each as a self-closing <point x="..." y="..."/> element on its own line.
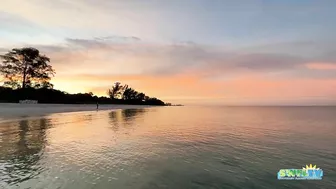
<point x="230" y="52"/>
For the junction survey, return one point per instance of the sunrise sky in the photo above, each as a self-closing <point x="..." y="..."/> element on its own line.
<point x="235" y="52"/>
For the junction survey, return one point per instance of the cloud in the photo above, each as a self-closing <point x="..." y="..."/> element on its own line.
<point x="178" y="70"/>
<point x="15" y="23"/>
<point x="64" y="17"/>
<point x="262" y="62"/>
<point x="101" y="42"/>
<point x="118" y="54"/>
<point x="85" y="43"/>
<point x="163" y="47"/>
<point x="321" y="66"/>
<point x="119" y="38"/>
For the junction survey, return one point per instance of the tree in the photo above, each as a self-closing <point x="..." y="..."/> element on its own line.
<point x="117" y="90"/>
<point x="43" y="85"/>
<point x="154" y="101"/>
<point x="146" y="98"/>
<point x="140" y="96"/>
<point x="26" y="67"/>
<point x="129" y="94"/>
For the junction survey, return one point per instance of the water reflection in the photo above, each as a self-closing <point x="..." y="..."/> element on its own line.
<point x="124" y="117"/>
<point x="21" y="148"/>
<point x="78" y="135"/>
<point x="130" y="114"/>
<point x="168" y="147"/>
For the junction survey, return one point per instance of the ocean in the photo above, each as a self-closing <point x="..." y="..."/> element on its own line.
<point x="169" y="147"/>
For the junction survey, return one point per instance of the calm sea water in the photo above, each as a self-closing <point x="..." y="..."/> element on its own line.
<point x="169" y="147"/>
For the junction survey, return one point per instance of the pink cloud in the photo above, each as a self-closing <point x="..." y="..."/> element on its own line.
<point x="321" y="66"/>
<point x="187" y="71"/>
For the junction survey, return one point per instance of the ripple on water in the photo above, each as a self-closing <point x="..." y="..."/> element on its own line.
<point x="166" y="148"/>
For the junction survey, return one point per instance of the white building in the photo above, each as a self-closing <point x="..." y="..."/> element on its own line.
<point x="28" y="101"/>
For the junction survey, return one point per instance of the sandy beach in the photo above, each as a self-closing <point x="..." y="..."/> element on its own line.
<point x="12" y="110"/>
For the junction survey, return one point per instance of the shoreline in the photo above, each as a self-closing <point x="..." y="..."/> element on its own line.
<point x="9" y="111"/>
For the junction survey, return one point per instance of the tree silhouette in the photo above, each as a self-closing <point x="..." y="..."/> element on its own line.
<point x="116" y="91"/>
<point x="140" y="96"/>
<point x="146" y="98"/>
<point x="132" y="94"/>
<point x="26" y="67"/>
<point x="27" y="74"/>
<point x="129" y="94"/>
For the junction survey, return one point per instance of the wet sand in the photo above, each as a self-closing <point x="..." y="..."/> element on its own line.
<point x="12" y="111"/>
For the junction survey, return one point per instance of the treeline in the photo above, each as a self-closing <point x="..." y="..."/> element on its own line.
<point x="124" y="93"/>
<point x="53" y="96"/>
<point x="27" y="75"/>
